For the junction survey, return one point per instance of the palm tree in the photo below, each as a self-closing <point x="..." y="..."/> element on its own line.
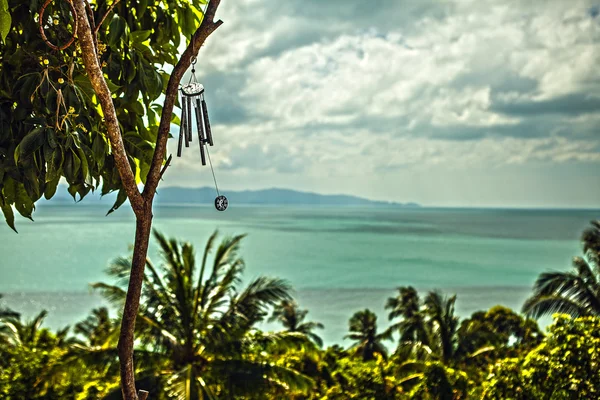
<point x="442" y="324"/>
<point x="292" y="318"/>
<point x="31" y="334"/>
<point x="575" y="292"/>
<point x="407" y="305"/>
<point x="363" y="328"/>
<point x="429" y="330"/>
<point x="199" y="325"/>
<point x="97" y="328"/>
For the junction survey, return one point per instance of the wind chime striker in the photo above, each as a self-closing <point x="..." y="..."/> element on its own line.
<point x="192" y="98"/>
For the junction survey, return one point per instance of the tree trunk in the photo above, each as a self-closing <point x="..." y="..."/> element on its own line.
<point x="141" y="203"/>
<point x="132" y="302"/>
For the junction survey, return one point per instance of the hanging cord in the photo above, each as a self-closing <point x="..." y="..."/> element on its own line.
<point x="213" y="171"/>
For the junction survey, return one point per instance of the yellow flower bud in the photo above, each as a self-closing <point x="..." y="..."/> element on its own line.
<point x="71" y="110"/>
<point x="61" y="80"/>
<point x="46" y="62"/>
<point x="55" y="22"/>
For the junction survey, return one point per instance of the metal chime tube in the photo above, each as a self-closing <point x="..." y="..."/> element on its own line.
<point x="189" y="115"/>
<point x="182" y="125"/>
<point x="187" y="124"/>
<point x="206" y="122"/>
<point x="200" y="130"/>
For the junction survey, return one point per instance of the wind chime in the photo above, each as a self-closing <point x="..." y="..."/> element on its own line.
<point x="193" y="104"/>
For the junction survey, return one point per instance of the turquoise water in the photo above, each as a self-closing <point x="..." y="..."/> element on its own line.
<point x="339" y="260"/>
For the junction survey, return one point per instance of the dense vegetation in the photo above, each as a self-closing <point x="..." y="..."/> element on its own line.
<point x="198" y="339"/>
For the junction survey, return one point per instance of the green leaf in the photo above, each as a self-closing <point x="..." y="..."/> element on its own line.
<point x="51" y="188"/>
<point x="141" y="8"/>
<point x="51" y="138"/>
<point x="137" y="108"/>
<point x="140" y="36"/>
<point x="30" y="143"/>
<point x="116" y="30"/>
<point x="111" y="86"/>
<point x="121" y="197"/>
<point x="3" y="5"/>
<point x="175" y="119"/>
<point x="99" y="150"/>
<point x="9" y="216"/>
<point x="84" y="166"/>
<point x="54" y="164"/>
<point x="23" y="203"/>
<point x="5" y="23"/>
<point x="76" y="163"/>
<point x="83" y="86"/>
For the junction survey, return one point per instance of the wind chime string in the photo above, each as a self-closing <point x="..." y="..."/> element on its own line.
<point x="213" y="172"/>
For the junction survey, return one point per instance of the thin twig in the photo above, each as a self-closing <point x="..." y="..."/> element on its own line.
<point x="164" y="169"/>
<point x="105" y="15"/>
<point x="43" y="32"/>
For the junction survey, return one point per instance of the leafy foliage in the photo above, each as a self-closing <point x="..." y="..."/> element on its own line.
<point x="51" y="123"/>
<point x="564" y="366"/>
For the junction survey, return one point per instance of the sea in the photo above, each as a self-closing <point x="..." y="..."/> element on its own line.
<point x="339" y="259"/>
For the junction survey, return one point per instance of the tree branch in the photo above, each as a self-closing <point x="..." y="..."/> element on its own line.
<point x="207" y="27"/>
<point x="164" y="169"/>
<point x="115" y="2"/>
<point x="94" y="72"/>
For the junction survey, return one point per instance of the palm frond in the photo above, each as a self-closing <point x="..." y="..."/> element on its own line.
<point x="247" y="376"/>
<point x="198" y="289"/>
<point x="280" y="342"/>
<point x="114" y="294"/>
<point x="260" y="294"/>
<point x="483" y="350"/>
<point x="537" y="306"/>
<point x="566" y="285"/>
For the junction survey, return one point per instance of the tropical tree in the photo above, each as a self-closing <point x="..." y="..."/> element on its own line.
<point x="429" y="330"/>
<point x="363" y="331"/>
<point x="564" y="366"/>
<point x="575" y="292"/>
<point x="442" y="325"/>
<point x="292" y="318"/>
<point x="79" y="103"/>
<point x="98" y="328"/>
<point x="508" y="332"/>
<point x="199" y="325"/>
<point x="407" y="306"/>
<point x="31" y="362"/>
<point x="31" y="333"/>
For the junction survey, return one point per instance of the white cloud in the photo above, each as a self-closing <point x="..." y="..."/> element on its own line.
<point x="443" y="86"/>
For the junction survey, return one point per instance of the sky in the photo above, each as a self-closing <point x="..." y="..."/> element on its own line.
<point x="445" y="103"/>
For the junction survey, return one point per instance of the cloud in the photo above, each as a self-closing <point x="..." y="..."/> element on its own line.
<point x="357" y="88"/>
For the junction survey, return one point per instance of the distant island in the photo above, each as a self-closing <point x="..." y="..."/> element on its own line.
<point x="273" y="196"/>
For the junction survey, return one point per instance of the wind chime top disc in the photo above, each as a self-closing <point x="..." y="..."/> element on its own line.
<point x="221" y="203"/>
<point x="192" y="89"/>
